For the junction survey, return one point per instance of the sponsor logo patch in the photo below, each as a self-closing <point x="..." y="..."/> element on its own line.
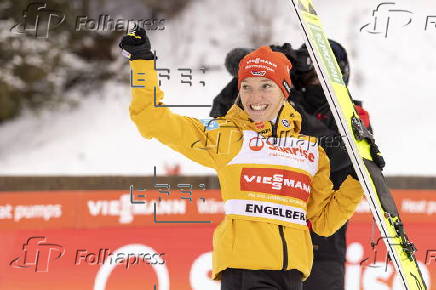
<point x="276" y="181"/>
<point x="289" y="152"/>
<point x="210" y="124"/>
<point x="257" y="144"/>
<point x="286" y="123"/>
<point x="258" y="73"/>
<point x="260" y="60"/>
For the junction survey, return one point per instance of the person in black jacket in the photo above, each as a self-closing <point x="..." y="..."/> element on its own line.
<point x="307" y="97"/>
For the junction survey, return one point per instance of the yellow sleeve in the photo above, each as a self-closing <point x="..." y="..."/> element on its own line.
<point x="183" y="134"/>
<point x="328" y="209"/>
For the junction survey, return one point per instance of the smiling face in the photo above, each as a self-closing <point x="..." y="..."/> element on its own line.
<point x="261" y="97"/>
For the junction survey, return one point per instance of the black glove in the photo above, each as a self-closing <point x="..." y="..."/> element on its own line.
<point x="136" y="45"/>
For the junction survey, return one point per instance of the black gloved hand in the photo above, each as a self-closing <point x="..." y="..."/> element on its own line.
<point x="136" y="45"/>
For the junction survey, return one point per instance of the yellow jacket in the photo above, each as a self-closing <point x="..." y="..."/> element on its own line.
<point x="270" y="186"/>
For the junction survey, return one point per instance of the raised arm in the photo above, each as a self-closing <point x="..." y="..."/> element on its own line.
<point x="183" y="134"/>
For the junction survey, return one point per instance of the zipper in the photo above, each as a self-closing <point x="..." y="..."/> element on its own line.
<point x="285" y="247"/>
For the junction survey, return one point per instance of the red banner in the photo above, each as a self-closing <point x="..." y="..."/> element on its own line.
<point x="100" y="240"/>
<point x="104" y="208"/>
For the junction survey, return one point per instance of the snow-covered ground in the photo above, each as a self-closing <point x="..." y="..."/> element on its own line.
<point x="394" y="76"/>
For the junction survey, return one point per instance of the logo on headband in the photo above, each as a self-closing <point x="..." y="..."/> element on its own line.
<point x="287" y="87"/>
<point x="258" y="73"/>
<point x="259" y="60"/>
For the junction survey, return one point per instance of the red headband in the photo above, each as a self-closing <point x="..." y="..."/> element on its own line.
<point x="263" y="62"/>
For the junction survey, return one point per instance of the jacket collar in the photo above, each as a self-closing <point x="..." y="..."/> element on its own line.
<point x="288" y="120"/>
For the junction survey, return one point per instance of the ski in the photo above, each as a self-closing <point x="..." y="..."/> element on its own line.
<point x="361" y="148"/>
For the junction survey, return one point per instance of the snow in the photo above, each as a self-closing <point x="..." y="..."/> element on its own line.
<point x="393" y="76"/>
